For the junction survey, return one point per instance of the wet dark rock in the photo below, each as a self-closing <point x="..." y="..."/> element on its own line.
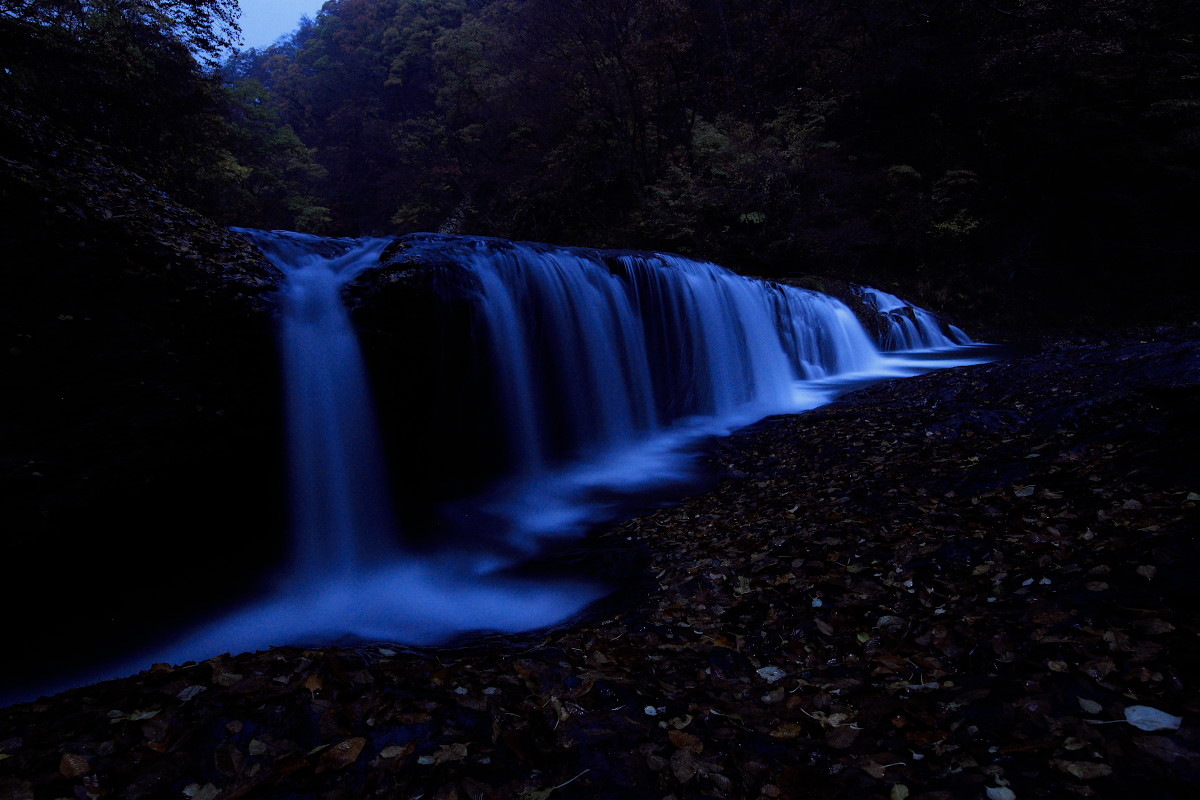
<point x="138" y="410"/>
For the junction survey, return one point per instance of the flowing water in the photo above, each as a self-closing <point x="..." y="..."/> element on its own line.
<point x="908" y="327"/>
<point x="607" y="364"/>
<point x="605" y="368"/>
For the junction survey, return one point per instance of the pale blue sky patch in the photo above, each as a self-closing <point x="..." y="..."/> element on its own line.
<point x="264" y="21"/>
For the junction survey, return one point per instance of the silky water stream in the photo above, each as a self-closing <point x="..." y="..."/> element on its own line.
<point x="605" y="368"/>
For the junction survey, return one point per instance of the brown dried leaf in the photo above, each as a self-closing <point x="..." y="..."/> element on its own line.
<point x="1153" y="626"/>
<point x="686" y="741"/>
<point x="841" y="737"/>
<point x="73" y="765"/>
<point x="1084" y="770"/>
<point x="223" y="678"/>
<point x="1162" y="748"/>
<point x="788" y="730"/>
<point x="342" y="754"/>
<point x="450" y="752"/>
<point x="683" y="765"/>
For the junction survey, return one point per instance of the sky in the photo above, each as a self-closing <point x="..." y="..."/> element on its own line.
<point x="264" y="21"/>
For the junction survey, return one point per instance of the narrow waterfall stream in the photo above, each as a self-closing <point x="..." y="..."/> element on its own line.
<point x="604" y="368"/>
<point x="342" y="520"/>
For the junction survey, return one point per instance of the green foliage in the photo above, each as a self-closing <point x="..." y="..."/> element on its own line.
<point x="960" y="224"/>
<point x="263" y="175"/>
<point x="118" y="76"/>
<point x="946" y="143"/>
<point x="207" y="28"/>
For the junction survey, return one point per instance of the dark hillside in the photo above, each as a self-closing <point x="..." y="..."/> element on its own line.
<point x="1026" y="161"/>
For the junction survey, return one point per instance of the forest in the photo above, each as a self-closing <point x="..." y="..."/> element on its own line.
<point x="976" y="581"/>
<point x="982" y="154"/>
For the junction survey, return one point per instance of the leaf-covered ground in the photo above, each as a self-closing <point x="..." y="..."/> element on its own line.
<point x="963" y="585"/>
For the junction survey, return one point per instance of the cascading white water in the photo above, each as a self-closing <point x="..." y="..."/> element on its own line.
<point x="909" y="327"/>
<point x="595" y="355"/>
<point x="341" y="515"/>
<point x="349" y="578"/>
<point x="605" y="366"/>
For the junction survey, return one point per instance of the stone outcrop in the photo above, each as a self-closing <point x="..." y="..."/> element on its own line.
<point x="139" y="454"/>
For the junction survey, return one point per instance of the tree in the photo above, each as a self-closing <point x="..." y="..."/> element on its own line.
<point x="208" y="28"/>
<point x="263" y="176"/>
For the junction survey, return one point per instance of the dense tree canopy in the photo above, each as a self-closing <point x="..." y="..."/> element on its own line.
<point x="141" y="81"/>
<point x="207" y="27"/>
<point x="957" y="145"/>
<point x="959" y="148"/>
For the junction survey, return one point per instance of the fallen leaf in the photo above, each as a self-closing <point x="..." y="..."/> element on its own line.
<point x="342" y="754"/>
<point x="197" y="792"/>
<point x="841" y="737"/>
<point x="396" y="750"/>
<point x="1151" y="719"/>
<point x="451" y="752"/>
<point x="1084" y="770"/>
<point x="683" y="765"/>
<point x="788" y="730"/>
<point x="771" y="674"/>
<point x="1161" y="747"/>
<point x="190" y="692"/>
<point x="226" y="678"/>
<point x="73" y="765"/>
<point x="686" y="741"/>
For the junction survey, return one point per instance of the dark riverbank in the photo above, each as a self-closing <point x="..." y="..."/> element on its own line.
<point x="942" y="584"/>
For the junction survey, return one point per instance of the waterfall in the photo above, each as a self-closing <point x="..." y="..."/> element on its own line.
<point x="594" y="352"/>
<point x="592" y="372"/>
<point x="604" y="366"/>
<point x="904" y="326"/>
<point x="341" y="515"/>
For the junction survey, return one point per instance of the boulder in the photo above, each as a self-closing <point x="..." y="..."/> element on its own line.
<point x="140" y="456"/>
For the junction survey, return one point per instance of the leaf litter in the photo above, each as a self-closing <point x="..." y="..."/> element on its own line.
<point x="969" y="634"/>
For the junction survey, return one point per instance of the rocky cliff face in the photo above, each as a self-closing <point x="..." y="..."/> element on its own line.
<point x="139" y="455"/>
